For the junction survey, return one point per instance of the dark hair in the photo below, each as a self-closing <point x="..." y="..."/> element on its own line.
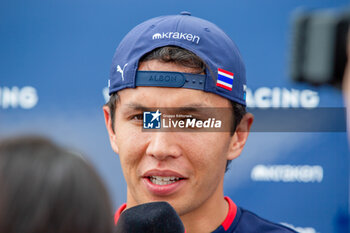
<point x="176" y="55"/>
<point x="185" y="58"/>
<point x="45" y="188"/>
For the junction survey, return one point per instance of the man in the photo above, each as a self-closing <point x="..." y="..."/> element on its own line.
<point x="184" y="168"/>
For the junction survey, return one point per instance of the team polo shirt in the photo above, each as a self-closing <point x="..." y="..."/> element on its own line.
<point x="238" y="220"/>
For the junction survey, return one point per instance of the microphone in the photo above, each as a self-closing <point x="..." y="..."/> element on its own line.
<point x="153" y="217"/>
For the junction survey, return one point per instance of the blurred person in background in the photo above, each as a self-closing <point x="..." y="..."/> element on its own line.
<point x="45" y="188"/>
<point x="346" y="86"/>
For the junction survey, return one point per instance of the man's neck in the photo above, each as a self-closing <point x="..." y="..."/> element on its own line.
<point x="208" y="217"/>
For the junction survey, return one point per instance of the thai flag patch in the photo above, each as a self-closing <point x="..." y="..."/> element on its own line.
<point x="225" y="79"/>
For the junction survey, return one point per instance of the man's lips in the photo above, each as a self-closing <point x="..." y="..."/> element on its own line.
<point x="163" y="173"/>
<point x="163" y="182"/>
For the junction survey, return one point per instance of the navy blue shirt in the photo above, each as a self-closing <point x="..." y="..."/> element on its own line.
<point x="239" y="220"/>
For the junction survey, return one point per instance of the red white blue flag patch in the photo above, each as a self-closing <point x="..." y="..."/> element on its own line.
<point x="225" y="79"/>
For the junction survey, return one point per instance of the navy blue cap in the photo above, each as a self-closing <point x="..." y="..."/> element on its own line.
<point x="225" y="73"/>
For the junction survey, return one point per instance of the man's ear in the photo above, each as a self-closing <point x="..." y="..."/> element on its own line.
<point x="110" y="130"/>
<point x="240" y="136"/>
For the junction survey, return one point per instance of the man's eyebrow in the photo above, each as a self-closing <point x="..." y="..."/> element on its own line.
<point x="193" y="108"/>
<point x="195" y="105"/>
<point x="138" y="107"/>
<point x="190" y="108"/>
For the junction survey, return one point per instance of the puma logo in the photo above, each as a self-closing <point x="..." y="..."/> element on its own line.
<point x="120" y="70"/>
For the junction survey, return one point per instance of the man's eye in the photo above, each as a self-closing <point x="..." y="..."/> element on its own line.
<point x="138" y="117"/>
<point x="192" y="118"/>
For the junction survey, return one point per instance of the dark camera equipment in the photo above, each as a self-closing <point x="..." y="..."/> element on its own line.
<point x="319" y="46"/>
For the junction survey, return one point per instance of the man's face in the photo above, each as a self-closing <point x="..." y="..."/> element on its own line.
<point x="185" y="169"/>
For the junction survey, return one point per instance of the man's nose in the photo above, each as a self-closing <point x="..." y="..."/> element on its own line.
<point x="163" y="145"/>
